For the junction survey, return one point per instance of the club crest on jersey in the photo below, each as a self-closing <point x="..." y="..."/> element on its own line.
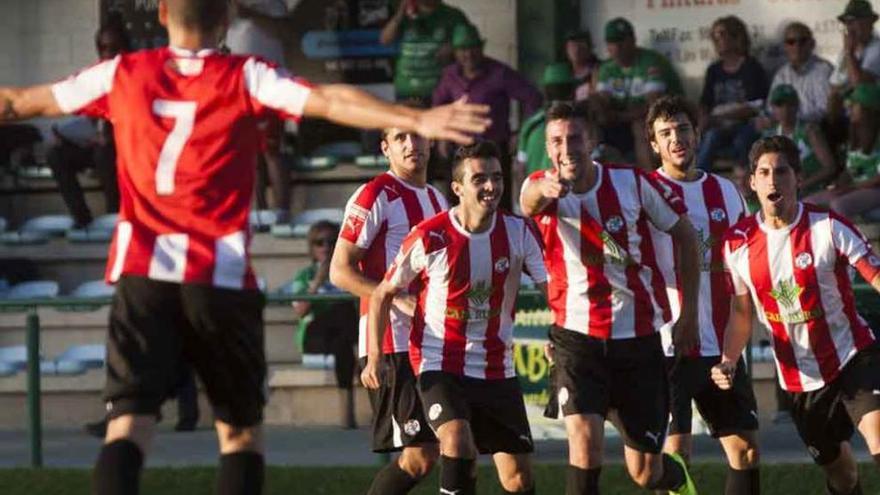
<point x="502" y="265"/>
<point x="614" y="224"/>
<point x="435" y="411"/>
<point x="803" y="260"/>
<point x="412" y="427"/>
<point x="717" y="215"/>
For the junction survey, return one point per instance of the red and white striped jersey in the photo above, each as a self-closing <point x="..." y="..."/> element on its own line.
<point x="463" y="322"/>
<point x="713" y="204"/>
<point x="601" y="265"/>
<point x="798" y="280"/>
<point x="185" y="125"/>
<point x="377" y="218"/>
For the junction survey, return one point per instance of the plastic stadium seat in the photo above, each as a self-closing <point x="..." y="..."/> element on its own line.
<point x="7" y="369"/>
<point x="89" y="355"/>
<point x="35" y="289"/>
<point x="371" y="161"/>
<point x="262" y="220"/>
<point x="33" y="172"/>
<point x="99" y="230"/>
<point x="14" y="356"/>
<point x="63" y="367"/>
<point x="93" y="288"/>
<point x="48" y="224"/>
<point x="24" y="238"/>
<point x="315" y="163"/>
<point x="300" y="224"/>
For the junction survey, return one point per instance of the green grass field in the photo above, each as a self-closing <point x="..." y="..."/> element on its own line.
<point x="783" y="479"/>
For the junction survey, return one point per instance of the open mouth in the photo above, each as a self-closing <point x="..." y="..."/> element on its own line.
<point x="488" y="198"/>
<point x="774" y="197"/>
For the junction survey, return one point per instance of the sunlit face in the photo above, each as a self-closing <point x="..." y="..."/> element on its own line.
<point x="675" y="140"/>
<point x="785" y="113"/>
<point x="798" y="46"/>
<point x="569" y="145"/>
<point x="469" y="58"/>
<point x="481" y="186"/>
<point x="407" y="152"/>
<point x="775" y="183"/>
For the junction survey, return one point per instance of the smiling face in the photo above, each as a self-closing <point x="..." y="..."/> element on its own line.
<point x="407" y="152"/>
<point x="775" y="183"/>
<point x="569" y="145"/>
<point x="675" y="140"/>
<point x="480" y="186"/>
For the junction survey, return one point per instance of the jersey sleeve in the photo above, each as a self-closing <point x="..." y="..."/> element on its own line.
<point x="663" y="206"/>
<point x="363" y="218"/>
<point x="273" y="89"/>
<point x="85" y="93"/>
<point x="852" y="245"/>
<point x="410" y="261"/>
<point x="534" y="257"/>
<point x="736" y="281"/>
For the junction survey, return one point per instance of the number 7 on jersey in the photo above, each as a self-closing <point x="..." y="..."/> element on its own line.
<point x="184" y="115"/>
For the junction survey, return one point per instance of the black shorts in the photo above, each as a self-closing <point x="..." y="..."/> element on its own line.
<point x="594" y="376"/>
<point x="725" y="411"/>
<point x="155" y="326"/>
<point x="398" y="418"/>
<point x="494" y="408"/>
<point x="826" y="417"/>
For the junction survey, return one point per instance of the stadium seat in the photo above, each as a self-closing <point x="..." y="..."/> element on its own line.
<point x="23" y="238"/>
<point x="88" y="355"/>
<point x="93" y="288"/>
<point x="35" y="289"/>
<point x="14" y="356"/>
<point x="315" y="163"/>
<point x="300" y="224"/>
<point x="262" y="220"/>
<point x="33" y="172"/>
<point x="99" y="230"/>
<point x="7" y="369"/>
<point x="371" y="161"/>
<point x="55" y="225"/>
<point x="343" y="150"/>
<point x="66" y="368"/>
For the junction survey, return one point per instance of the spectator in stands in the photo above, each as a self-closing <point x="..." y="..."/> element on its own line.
<point x="257" y="28"/>
<point x="626" y="83"/>
<point x="806" y="72"/>
<point x="82" y="142"/>
<point x="531" y="153"/>
<point x="818" y="168"/>
<point x="326" y="327"/>
<point x="734" y="90"/>
<point x="424" y="29"/>
<point x="584" y="63"/>
<point x="859" y="190"/>
<point x="484" y="80"/>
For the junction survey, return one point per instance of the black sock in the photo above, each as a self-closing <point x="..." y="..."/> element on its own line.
<point x="673" y="476"/>
<point x="118" y="469"/>
<point x="240" y="473"/>
<point x="392" y="480"/>
<point x="582" y="481"/>
<point x="742" y="482"/>
<point x="857" y="490"/>
<point x="457" y="474"/>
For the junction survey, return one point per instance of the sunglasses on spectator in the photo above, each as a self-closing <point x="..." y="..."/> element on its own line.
<point x="324" y="242"/>
<point x="797" y="41"/>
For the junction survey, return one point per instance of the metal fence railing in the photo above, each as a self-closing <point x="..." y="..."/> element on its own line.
<point x="868" y="302"/>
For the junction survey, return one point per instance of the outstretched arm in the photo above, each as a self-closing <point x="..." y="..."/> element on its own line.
<point x="353" y="107"/>
<point x="26" y="103"/>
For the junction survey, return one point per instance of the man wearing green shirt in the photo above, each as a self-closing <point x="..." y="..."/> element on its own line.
<point x="559" y="83"/>
<point x="424" y="28"/>
<point x="626" y="84"/>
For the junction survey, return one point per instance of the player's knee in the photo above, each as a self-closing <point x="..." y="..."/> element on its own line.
<point x="644" y="476"/>
<point x="455" y="440"/>
<point x="747" y="457"/>
<point x="517" y="481"/>
<point x="419" y="461"/>
<point x="238" y="438"/>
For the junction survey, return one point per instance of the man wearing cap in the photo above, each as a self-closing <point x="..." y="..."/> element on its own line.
<point x="859" y="195"/>
<point x="817" y="161"/>
<point x="806" y="72"/>
<point x="584" y="63"/>
<point x="531" y="153"/>
<point x="484" y="80"/>
<point x="424" y="28"/>
<point x="626" y="83"/>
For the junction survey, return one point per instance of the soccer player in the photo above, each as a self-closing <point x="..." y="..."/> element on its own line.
<point x="185" y="129"/>
<point x="467" y="263"/>
<point x="713" y="204"/>
<point x="603" y="293"/>
<point x="793" y="259"/>
<point x="377" y="218"/>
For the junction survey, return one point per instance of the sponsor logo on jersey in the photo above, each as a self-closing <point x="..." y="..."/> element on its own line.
<point x="787" y="293"/>
<point x="803" y="260"/>
<point x="717" y="215"/>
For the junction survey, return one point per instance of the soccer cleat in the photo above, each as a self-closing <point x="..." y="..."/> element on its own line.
<point x="688" y="488"/>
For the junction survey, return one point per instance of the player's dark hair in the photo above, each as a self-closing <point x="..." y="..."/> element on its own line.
<point x="666" y="108"/>
<point x="775" y="144"/>
<point x="481" y="150"/>
<point x="202" y="15"/>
